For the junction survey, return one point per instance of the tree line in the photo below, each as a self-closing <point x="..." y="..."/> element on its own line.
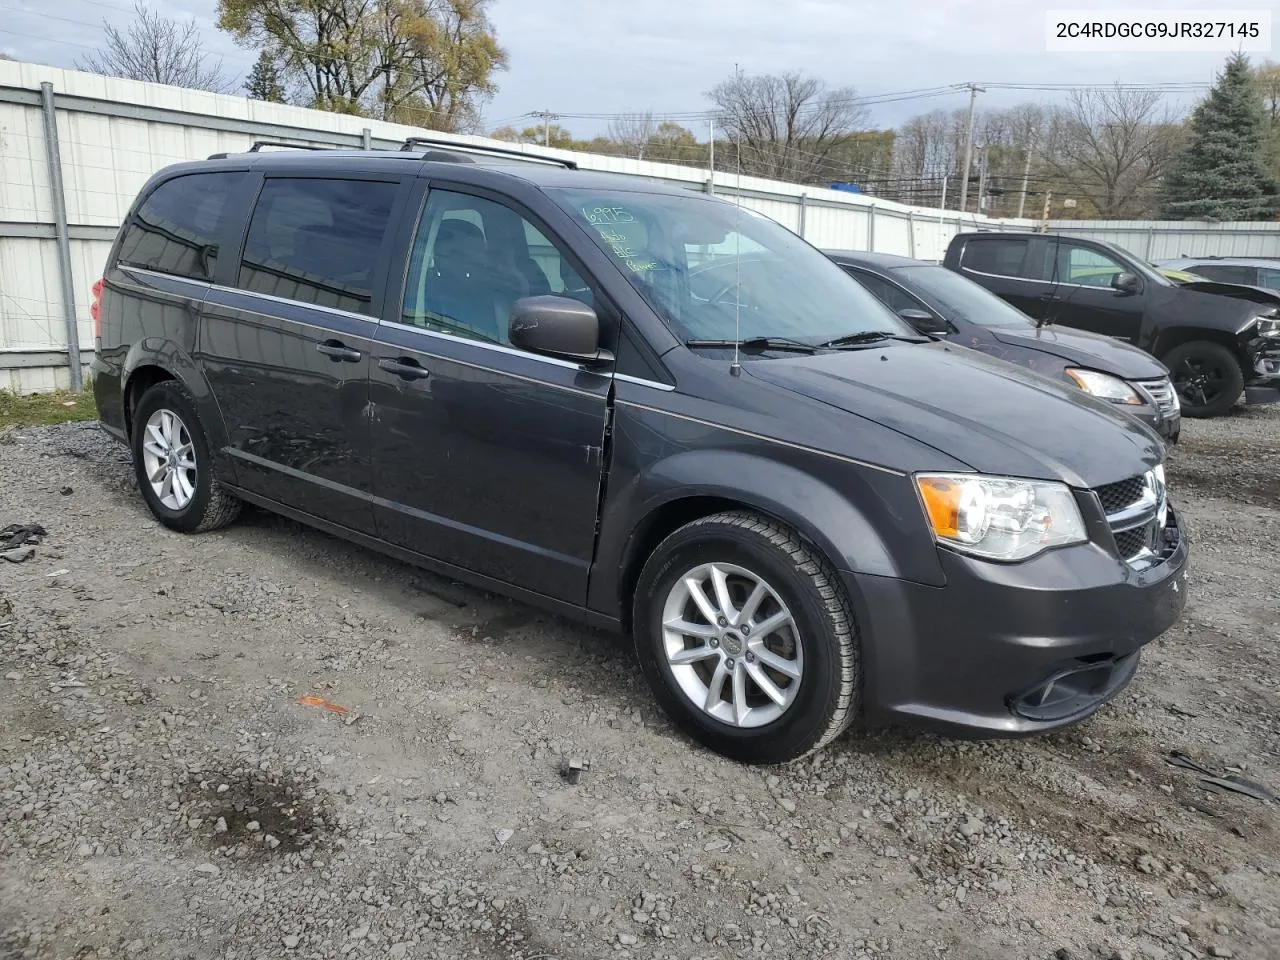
<point x="1114" y="153"/>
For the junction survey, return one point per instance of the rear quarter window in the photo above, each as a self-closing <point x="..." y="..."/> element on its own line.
<point x="177" y="228"/>
<point x="1002" y="256"/>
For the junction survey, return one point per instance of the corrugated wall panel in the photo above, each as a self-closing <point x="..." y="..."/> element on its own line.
<point x="30" y="317"/>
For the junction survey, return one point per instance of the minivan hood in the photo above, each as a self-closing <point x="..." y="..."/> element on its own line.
<point x="1091" y="350"/>
<point x="989" y="414"/>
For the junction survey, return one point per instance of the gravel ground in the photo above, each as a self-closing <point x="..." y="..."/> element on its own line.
<point x="164" y="795"/>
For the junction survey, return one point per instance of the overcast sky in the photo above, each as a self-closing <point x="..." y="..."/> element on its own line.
<point x="603" y="56"/>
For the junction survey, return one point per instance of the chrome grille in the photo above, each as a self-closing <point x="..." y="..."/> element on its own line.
<point x="1137" y="510"/>
<point x="1117" y="496"/>
<point x="1162" y="395"/>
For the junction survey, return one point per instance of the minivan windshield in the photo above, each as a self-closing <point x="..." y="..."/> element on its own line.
<point x="962" y="297"/>
<point x="716" y="271"/>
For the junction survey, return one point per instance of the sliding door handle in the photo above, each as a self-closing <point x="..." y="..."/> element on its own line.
<point x="404" y="367"/>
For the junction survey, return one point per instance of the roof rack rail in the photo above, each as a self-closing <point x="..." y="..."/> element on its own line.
<point x="412" y="142"/>
<point x="259" y="144"/>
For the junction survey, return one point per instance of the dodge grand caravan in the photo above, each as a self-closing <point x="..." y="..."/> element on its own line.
<point x="803" y="510"/>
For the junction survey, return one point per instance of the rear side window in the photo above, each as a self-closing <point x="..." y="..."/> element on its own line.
<point x="177" y="228"/>
<point x="317" y="241"/>
<point x="1002" y="256"/>
<point x="1226" y="273"/>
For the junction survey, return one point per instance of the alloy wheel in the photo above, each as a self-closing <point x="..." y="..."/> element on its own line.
<point x="1199" y="380"/>
<point x="732" y="644"/>
<point x="168" y="458"/>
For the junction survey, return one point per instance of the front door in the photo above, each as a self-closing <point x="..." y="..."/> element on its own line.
<point x="1085" y="298"/>
<point x="287" y="349"/>
<point x="486" y="456"/>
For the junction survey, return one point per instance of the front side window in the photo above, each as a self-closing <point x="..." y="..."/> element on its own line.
<point x="1001" y="256"/>
<point x="176" y="229"/>
<point x="1269" y="278"/>
<point x="472" y="259"/>
<point x="1086" y="266"/>
<point x="317" y="241"/>
<point x="716" y="271"/>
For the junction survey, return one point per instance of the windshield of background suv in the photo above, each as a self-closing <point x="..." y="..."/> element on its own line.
<point x="699" y="261"/>
<point x="963" y="297"/>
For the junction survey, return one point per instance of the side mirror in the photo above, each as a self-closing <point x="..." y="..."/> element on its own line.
<point x="557" y="326"/>
<point x="924" y="321"/>
<point x="1125" y="282"/>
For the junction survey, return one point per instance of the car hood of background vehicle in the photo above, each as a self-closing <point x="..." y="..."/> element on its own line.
<point x="991" y="415"/>
<point x="1221" y="306"/>
<point x="1238" y="290"/>
<point x="1091" y="350"/>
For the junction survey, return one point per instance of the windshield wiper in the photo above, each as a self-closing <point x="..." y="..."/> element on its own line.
<point x="869" y="336"/>
<point x="758" y="343"/>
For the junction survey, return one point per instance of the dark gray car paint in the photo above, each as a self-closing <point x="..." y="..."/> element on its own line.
<point x="580" y="471"/>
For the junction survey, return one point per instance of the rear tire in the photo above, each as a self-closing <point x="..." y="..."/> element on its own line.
<point x="776" y="676"/>
<point x="1207" y="377"/>
<point x="171" y="457"/>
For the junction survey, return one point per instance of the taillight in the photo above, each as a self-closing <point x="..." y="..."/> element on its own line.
<point x="95" y="310"/>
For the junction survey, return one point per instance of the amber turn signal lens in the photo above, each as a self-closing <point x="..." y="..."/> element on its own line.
<point x="942" y="503"/>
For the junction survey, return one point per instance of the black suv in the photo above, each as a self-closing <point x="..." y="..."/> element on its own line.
<point x="937" y="301"/>
<point x="1216" y="346"/>
<point x="527" y="377"/>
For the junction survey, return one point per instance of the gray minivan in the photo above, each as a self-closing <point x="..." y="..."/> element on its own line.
<point x="517" y="374"/>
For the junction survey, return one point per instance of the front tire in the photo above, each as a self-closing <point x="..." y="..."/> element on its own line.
<point x="1207" y="377"/>
<point x="747" y="638"/>
<point x="171" y="457"/>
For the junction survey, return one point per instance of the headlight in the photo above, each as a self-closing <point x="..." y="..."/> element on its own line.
<point x="1268" y="326"/>
<point x="999" y="518"/>
<point x="1105" y="387"/>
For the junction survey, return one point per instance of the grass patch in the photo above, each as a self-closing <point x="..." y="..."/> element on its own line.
<point x="37" y="409"/>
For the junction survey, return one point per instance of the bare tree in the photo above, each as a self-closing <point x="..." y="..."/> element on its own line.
<point x="632" y="131"/>
<point x="1109" y="149"/>
<point x="157" y="49"/>
<point x="786" y="125"/>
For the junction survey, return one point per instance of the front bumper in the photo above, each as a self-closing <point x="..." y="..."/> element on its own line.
<point x="1008" y="650"/>
<point x="1262" y="377"/>
<point x="1169" y="427"/>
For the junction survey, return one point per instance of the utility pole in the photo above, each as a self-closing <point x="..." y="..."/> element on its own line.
<point x="1044" y="216"/>
<point x="711" y="152"/>
<point x="1026" y="175"/>
<point x="546" y="116"/>
<point x="982" y="178"/>
<point x="974" y="90"/>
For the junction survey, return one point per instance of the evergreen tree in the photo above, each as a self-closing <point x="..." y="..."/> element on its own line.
<point x="264" y="80"/>
<point x="1222" y="172"/>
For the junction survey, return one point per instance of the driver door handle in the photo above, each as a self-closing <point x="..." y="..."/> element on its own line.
<point x="1049" y="297"/>
<point x="337" y="350"/>
<point x="404" y="367"/>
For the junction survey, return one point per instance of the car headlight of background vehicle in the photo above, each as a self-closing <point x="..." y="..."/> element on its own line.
<point x="1000" y="518"/>
<point x="1104" y="386"/>
<point x="1268" y="326"/>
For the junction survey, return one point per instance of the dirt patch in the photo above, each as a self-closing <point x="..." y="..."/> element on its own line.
<point x="247" y="809"/>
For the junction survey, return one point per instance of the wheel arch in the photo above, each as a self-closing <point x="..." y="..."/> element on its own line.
<point x="704" y="483"/>
<point x="1171" y="337"/>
